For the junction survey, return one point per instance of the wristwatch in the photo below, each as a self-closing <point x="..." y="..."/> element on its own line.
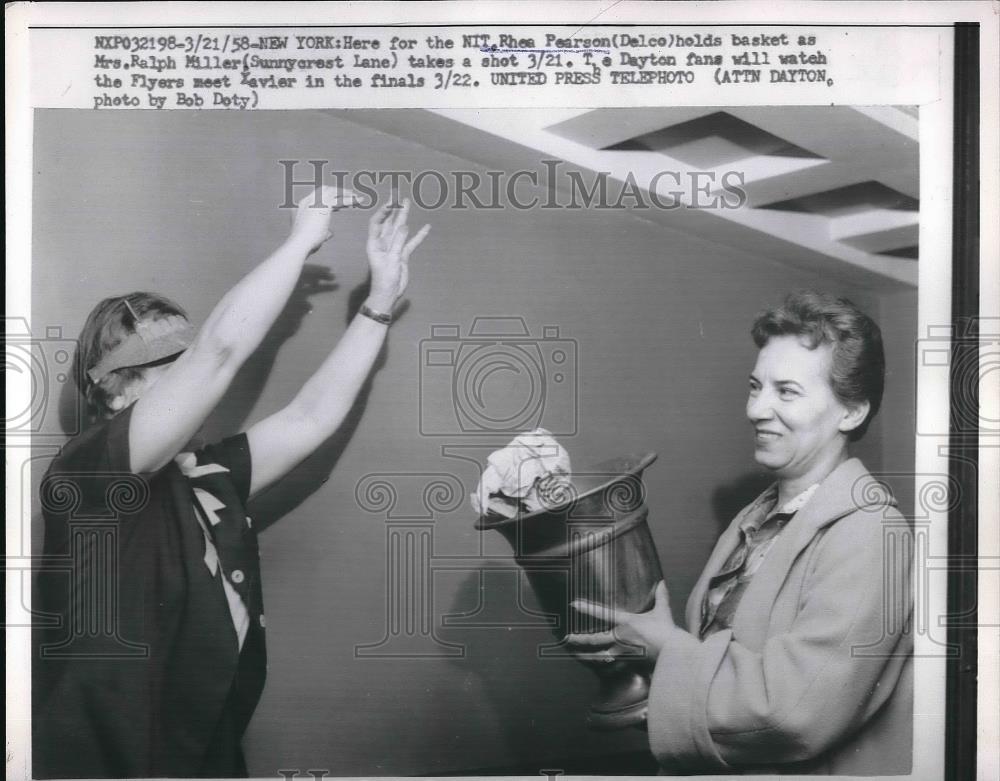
<point x="378" y="317"/>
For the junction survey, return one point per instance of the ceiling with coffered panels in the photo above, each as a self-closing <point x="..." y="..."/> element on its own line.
<point x="839" y="180"/>
<point x="828" y="188"/>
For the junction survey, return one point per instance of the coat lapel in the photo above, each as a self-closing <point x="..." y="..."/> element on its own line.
<point x="848" y="488"/>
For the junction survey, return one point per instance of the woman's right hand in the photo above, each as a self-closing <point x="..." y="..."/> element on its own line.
<point x="634" y="635"/>
<point x="311" y="223"/>
<point x="389" y="254"/>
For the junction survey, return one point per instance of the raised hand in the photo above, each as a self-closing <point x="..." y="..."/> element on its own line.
<point x="311" y="222"/>
<point x="389" y="253"/>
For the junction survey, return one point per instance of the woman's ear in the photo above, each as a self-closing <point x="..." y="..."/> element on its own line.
<point x="854" y="416"/>
<point x="126" y="395"/>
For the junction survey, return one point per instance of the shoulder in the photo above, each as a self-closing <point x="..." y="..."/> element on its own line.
<point x="863" y="532"/>
<point x="852" y="514"/>
<point x="869" y="538"/>
<point x="101" y="447"/>
<point x="849" y="493"/>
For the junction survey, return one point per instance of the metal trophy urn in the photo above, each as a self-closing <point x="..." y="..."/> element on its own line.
<point x="591" y="541"/>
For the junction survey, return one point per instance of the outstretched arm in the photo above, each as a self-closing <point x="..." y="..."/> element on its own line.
<point x="281" y="441"/>
<point x="169" y="413"/>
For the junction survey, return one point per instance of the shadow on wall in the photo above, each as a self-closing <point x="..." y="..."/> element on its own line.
<point x="515" y="684"/>
<point x="536" y="693"/>
<point x="309" y="476"/>
<point x="518" y="692"/>
<point x="248" y="385"/>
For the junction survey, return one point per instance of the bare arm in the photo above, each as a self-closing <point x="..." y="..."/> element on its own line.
<point x="169" y="413"/>
<point x="282" y="440"/>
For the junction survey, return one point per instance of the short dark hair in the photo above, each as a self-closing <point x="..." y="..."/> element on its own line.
<point x="857" y="371"/>
<point x="111" y="322"/>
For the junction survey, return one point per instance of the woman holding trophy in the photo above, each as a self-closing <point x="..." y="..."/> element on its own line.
<point x="796" y="652"/>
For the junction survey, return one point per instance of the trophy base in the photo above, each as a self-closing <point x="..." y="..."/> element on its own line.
<point x="623" y="701"/>
<point x="633" y="716"/>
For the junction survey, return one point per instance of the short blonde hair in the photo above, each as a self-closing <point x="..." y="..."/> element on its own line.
<point x="111" y="322"/>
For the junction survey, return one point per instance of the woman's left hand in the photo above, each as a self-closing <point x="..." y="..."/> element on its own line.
<point x="389" y="253"/>
<point x="633" y="636"/>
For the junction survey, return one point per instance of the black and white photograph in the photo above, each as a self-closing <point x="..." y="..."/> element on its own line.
<point x="439" y="435"/>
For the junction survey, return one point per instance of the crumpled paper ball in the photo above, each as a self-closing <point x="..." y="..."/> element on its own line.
<point x="525" y="476"/>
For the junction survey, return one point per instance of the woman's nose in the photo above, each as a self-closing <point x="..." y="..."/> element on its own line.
<point x="759" y="406"/>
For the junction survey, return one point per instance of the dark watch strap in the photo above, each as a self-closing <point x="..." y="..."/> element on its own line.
<point x="378" y="317"/>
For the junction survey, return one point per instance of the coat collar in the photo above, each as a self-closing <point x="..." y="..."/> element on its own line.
<point x="847" y="488"/>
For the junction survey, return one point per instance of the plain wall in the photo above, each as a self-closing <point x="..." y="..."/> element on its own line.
<point x="898" y="320"/>
<point x="185" y="203"/>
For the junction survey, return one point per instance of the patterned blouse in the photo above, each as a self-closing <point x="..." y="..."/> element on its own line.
<point x="758" y="532"/>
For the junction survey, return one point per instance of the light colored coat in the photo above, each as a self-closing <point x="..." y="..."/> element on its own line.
<point x="815" y="675"/>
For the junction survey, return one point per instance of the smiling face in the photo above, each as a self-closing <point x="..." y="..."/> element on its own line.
<point x="800" y="426"/>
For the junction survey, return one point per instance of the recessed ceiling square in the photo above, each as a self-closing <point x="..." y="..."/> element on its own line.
<point x="711" y="141"/>
<point x="851" y="199"/>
